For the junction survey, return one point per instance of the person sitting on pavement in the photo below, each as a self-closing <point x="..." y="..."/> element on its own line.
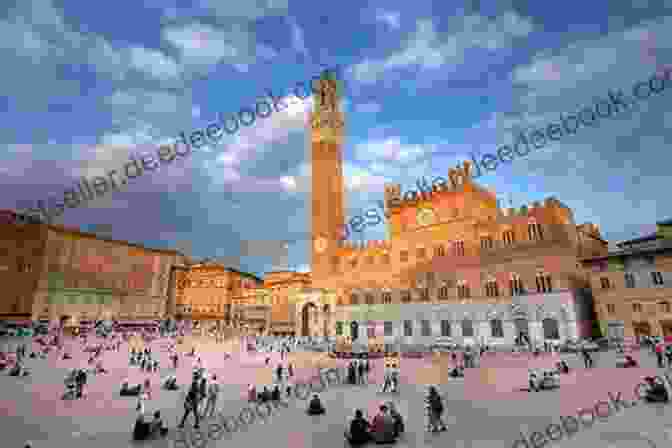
<point x="128" y="391"/>
<point x="315" y="407"/>
<point x="456" y="372"/>
<point x="358" y="433"/>
<point x="171" y="383"/>
<point x="156" y="427"/>
<point x="275" y="395"/>
<point x="382" y="428"/>
<point x="656" y="392"/>
<point x="562" y="366"/>
<point x="398" y="419"/>
<point x="629" y="362"/>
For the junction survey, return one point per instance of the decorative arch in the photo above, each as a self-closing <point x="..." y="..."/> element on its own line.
<point x="305" y="317"/>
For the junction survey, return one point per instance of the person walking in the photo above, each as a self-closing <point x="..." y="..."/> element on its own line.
<point x="213" y="393"/>
<point x="361" y="372"/>
<point x="278" y="373"/>
<point x="660" y="347"/>
<point x="290" y="370"/>
<point x="191" y="405"/>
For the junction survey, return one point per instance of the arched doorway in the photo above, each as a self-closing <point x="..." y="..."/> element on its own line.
<point x="354" y="330"/>
<point x="305" y="318"/>
<point x="326" y="320"/>
<point x="522" y="331"/>
<point x="551" y="330"/>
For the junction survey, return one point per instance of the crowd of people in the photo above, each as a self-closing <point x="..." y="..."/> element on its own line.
<point x="202" y="393"/>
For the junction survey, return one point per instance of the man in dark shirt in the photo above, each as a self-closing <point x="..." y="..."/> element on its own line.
<point x="191" y="405"/>
<point x="359" y="430"/>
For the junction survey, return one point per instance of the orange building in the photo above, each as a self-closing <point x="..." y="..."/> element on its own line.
<point x="57" y="273"/>
<point x="204" y="291"/>
<point x="456" y="264"/>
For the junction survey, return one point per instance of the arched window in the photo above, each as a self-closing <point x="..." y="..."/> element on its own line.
<point x="551" y="330"/>
<point x="369" y="298"/>
<point x="544" y="283"/>
<point x="491" y="288"/>
<point x="508" y="237"/>
<point x="443" y="292"/>
<point x="439" y="251"/>
<point x="516" y="285"/>
<point x="458" y="248"/>
<point x="463" y="290"/>
<point x="496" y="328"/>
<point x="467" y="328"/>
<point x="664" y="307"/>
<point x="534" y="230"/>
<point x="387" y="297"/>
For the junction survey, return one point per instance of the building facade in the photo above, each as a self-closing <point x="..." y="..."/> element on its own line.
<point x="71" y="276"/>
<point x="632" y="286"/>
<point x="205" y="291"/>
<point x="456" y="265"/>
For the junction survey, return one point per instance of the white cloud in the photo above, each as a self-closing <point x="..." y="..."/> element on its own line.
<point x="390" y="149"/>
<point x="154" y="62"/>
<point x="426" y="50"/>
<point x="390" y="18"/>
<point x="205" y="45"/>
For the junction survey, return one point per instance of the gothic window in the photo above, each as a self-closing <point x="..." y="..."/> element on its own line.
<point x="605" y="282"/>
<point x="445" y="328"/>
<point x="439" y="251"/>
<point x="486" y="242"/>
<point x="534" y="230"/>
<point x="458" y="247"/>
<point x="516" y="285"/>
<point x="369" y="299"/>
<point x="443" y="292"/>
<point x="508" y="237"/>
<point x="425" y="328"/>
<point x="544" y="283"/>
<point x="664" y="307"/>
<point x="463" y="290"/>
<point x="611" y="308"/>
<point x="496" y="328"/>
<point x="491" y="288"/>
<point x="629" y="280"/>
<point x="387" y="298"/>
<point x="636" y="307"/>
<point x="657" y="278"/>
<point x="467" y="328"/>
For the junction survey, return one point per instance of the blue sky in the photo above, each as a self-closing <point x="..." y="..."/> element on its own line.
<point x="86" y="84"/>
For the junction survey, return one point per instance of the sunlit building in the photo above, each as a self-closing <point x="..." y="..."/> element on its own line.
<point x="456" y="265"/>
<point x="632" y="286"/>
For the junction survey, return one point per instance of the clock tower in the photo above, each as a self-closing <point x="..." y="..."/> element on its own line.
<point x="326" y="139"/>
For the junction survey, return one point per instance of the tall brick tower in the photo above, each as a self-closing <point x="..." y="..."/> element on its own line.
<point x="327" y="132"/>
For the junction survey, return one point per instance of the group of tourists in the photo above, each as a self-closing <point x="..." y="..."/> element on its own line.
<point x="386" y="427"/>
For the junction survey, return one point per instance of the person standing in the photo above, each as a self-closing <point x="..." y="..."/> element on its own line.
<point x="290" y="370"/>
<point x="278" y="373"/>
<point x="213" y="393"/>
<point x="361" y="372"/>
<point x="191" y="405"/>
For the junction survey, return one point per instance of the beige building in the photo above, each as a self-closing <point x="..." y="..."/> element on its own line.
<point x="631" y="286"/>
<point x="204" y="291"/>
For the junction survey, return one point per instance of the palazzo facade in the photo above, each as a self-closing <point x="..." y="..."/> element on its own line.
<point x="62" y="274"/>
<point x="456" y="265"/>
<point x="633" y="286"/>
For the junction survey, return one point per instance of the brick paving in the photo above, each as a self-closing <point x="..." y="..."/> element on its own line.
<point x="486" y="409"/>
